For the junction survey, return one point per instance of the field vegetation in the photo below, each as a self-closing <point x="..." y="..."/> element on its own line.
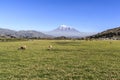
<point x="67" y="60"/>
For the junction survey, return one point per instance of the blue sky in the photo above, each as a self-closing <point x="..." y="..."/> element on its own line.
<point x="46" y="15"/>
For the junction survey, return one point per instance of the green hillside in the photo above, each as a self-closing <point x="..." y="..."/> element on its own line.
<point x="110" y="34"/>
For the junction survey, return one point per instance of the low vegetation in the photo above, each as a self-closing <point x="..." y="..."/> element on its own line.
<point x="67" y="60"/>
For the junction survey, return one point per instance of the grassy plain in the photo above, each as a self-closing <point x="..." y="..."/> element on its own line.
<point x="68" y="60"/>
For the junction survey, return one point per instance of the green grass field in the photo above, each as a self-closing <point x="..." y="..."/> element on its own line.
<point x="68" y="60"/>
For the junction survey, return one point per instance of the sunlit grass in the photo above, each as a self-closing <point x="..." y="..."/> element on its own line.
<point x="68" y="60"/>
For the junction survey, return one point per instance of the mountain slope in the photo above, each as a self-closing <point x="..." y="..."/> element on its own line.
<point x="6" y="33"/>
<point x="67" y="31"/>
<point x="110" y="33"/>
<point x="30" y="34"/>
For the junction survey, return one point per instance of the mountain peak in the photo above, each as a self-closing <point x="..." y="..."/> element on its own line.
<point x="64" y="28"/>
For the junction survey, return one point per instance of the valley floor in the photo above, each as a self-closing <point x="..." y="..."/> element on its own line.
<point x="67" y="60"/>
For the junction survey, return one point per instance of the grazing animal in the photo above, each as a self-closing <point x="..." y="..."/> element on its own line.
<point x="50" y="47"/>
<point x="22" y="47"/>
<point x="110" y="42"/>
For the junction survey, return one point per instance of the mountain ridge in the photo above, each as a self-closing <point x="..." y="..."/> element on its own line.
<point x="22" y="34"/>
<point x="113" y="33"/>
<point x="67" y="31"/>
<point x="62" y="30"/>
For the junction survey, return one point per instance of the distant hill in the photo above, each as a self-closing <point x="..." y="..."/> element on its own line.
<point x="31" y="34"/>
<point x="67" y="31"/>
<point x="108" y="34"/>
<point x="6" y="33"/>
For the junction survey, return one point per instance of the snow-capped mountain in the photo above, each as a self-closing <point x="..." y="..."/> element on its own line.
<point x="67" y="31"/>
